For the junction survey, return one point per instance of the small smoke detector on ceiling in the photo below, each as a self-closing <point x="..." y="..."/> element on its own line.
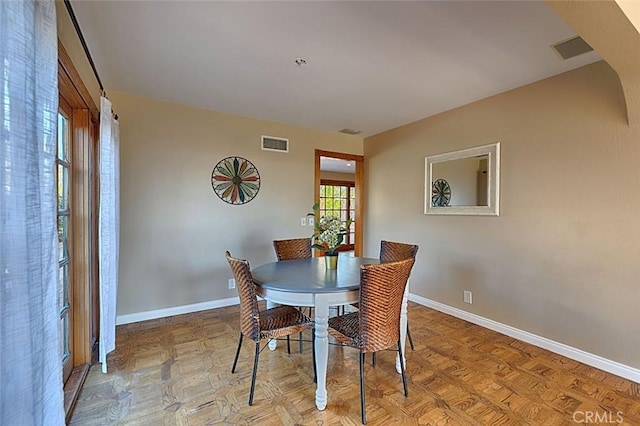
<point x="350" y="131"/>
<point x="273" y="143"/>
<point x="571" y="48"/>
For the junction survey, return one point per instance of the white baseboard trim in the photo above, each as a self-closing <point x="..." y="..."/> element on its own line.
<point x="596" y="361"/>
<point x="542" y="342"/>
<point x="176" y="310"/>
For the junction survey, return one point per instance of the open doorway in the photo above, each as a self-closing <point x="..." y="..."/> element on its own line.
<point x="339" y="190"/>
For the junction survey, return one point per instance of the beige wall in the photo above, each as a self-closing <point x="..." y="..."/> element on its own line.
<point x="561" y="260"/>
<point x="174" y="229"/>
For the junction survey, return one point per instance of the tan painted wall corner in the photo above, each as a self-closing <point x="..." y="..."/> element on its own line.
<point x="561" y="260"/>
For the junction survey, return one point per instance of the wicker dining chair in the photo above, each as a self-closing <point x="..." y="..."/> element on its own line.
<point x="269" y="324"/>
<point x="391" y="251"/>
<point x="376" y="324"/>
<point x="294" y="248"/>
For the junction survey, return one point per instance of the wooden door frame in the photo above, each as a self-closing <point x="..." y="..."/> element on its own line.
<point x="359" y="185"/>
<point x="84" y="137"/>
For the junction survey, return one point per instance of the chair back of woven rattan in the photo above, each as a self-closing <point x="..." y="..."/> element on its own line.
<point x="249" y="312"/>
<point x="297" y="248"/>
<point x="381" y="290"/>
<point x="391" y="251"/>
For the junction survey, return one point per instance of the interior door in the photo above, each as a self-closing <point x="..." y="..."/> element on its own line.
<point x="349" y="201"/>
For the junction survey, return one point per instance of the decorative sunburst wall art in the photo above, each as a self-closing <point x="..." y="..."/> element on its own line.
<point x="235" y="180"/>
<point x="440" y="193"/>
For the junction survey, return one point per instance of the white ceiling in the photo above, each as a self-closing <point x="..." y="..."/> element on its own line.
<point x="372" y="66"/>
<point x="337" y="165"/>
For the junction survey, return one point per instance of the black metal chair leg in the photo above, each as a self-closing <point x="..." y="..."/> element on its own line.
<point x="288" y="346"/>
<point x="410" y="339"/>
<point x="300" y="341"/>
<point x="373" y="359"/>
<point x="233" y="369"/>
<point x="404" y="377"/>
<point x="362" y="410"/>
<point x="255" y="370"/>
<point x="313" y="350"/>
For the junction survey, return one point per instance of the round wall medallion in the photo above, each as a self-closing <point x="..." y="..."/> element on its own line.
<point x="235" y="180"/>
<point x="440" y="193"/>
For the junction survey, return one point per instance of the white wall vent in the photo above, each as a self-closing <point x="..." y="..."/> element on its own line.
<point x="272" y="143"/>
<point x="573" y="47"/>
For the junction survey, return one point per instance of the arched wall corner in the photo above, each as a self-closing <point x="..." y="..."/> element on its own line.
<point x="612" y="28"/>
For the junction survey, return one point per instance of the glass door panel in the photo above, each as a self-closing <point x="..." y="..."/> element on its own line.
<point x="338" y="199"/>
<point x="63" y="181"/>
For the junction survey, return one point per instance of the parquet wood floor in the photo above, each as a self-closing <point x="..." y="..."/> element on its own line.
<point x="177" y="371"/>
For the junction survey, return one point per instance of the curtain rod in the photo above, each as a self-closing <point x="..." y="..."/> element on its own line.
<point x="72" y="15"/>
<point x="67" y="3"/>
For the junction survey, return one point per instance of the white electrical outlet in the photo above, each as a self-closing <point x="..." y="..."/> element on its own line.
<point x="311" y="220"/>
<point x="232" y="283"/>
<point x="468" y="297"/>
<point x="303" y="221"/>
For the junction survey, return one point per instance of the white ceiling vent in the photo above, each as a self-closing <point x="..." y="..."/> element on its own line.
<point x="272" y="143"/>
<point x="571" y="48"/>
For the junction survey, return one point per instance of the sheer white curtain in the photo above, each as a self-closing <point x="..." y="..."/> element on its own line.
<point x="30" y="360"/>
<point x="109" y="225"/>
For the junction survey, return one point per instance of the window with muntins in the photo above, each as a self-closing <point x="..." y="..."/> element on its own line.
<point x="338" y="198"/>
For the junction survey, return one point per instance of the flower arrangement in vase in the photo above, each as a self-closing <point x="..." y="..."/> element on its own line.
<point x="328" y="235"/>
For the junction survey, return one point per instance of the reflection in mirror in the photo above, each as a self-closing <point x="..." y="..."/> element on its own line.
<point x="463" y="182"/>
<point x="467" y="180"/>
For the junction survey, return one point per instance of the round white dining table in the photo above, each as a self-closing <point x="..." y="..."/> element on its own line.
<point x="307" y="282"/>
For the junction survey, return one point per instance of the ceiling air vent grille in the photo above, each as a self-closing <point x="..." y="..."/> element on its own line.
<point x="272" y="143"/>
<point x="571" y="48"/>
<point x="350" y="131"/>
